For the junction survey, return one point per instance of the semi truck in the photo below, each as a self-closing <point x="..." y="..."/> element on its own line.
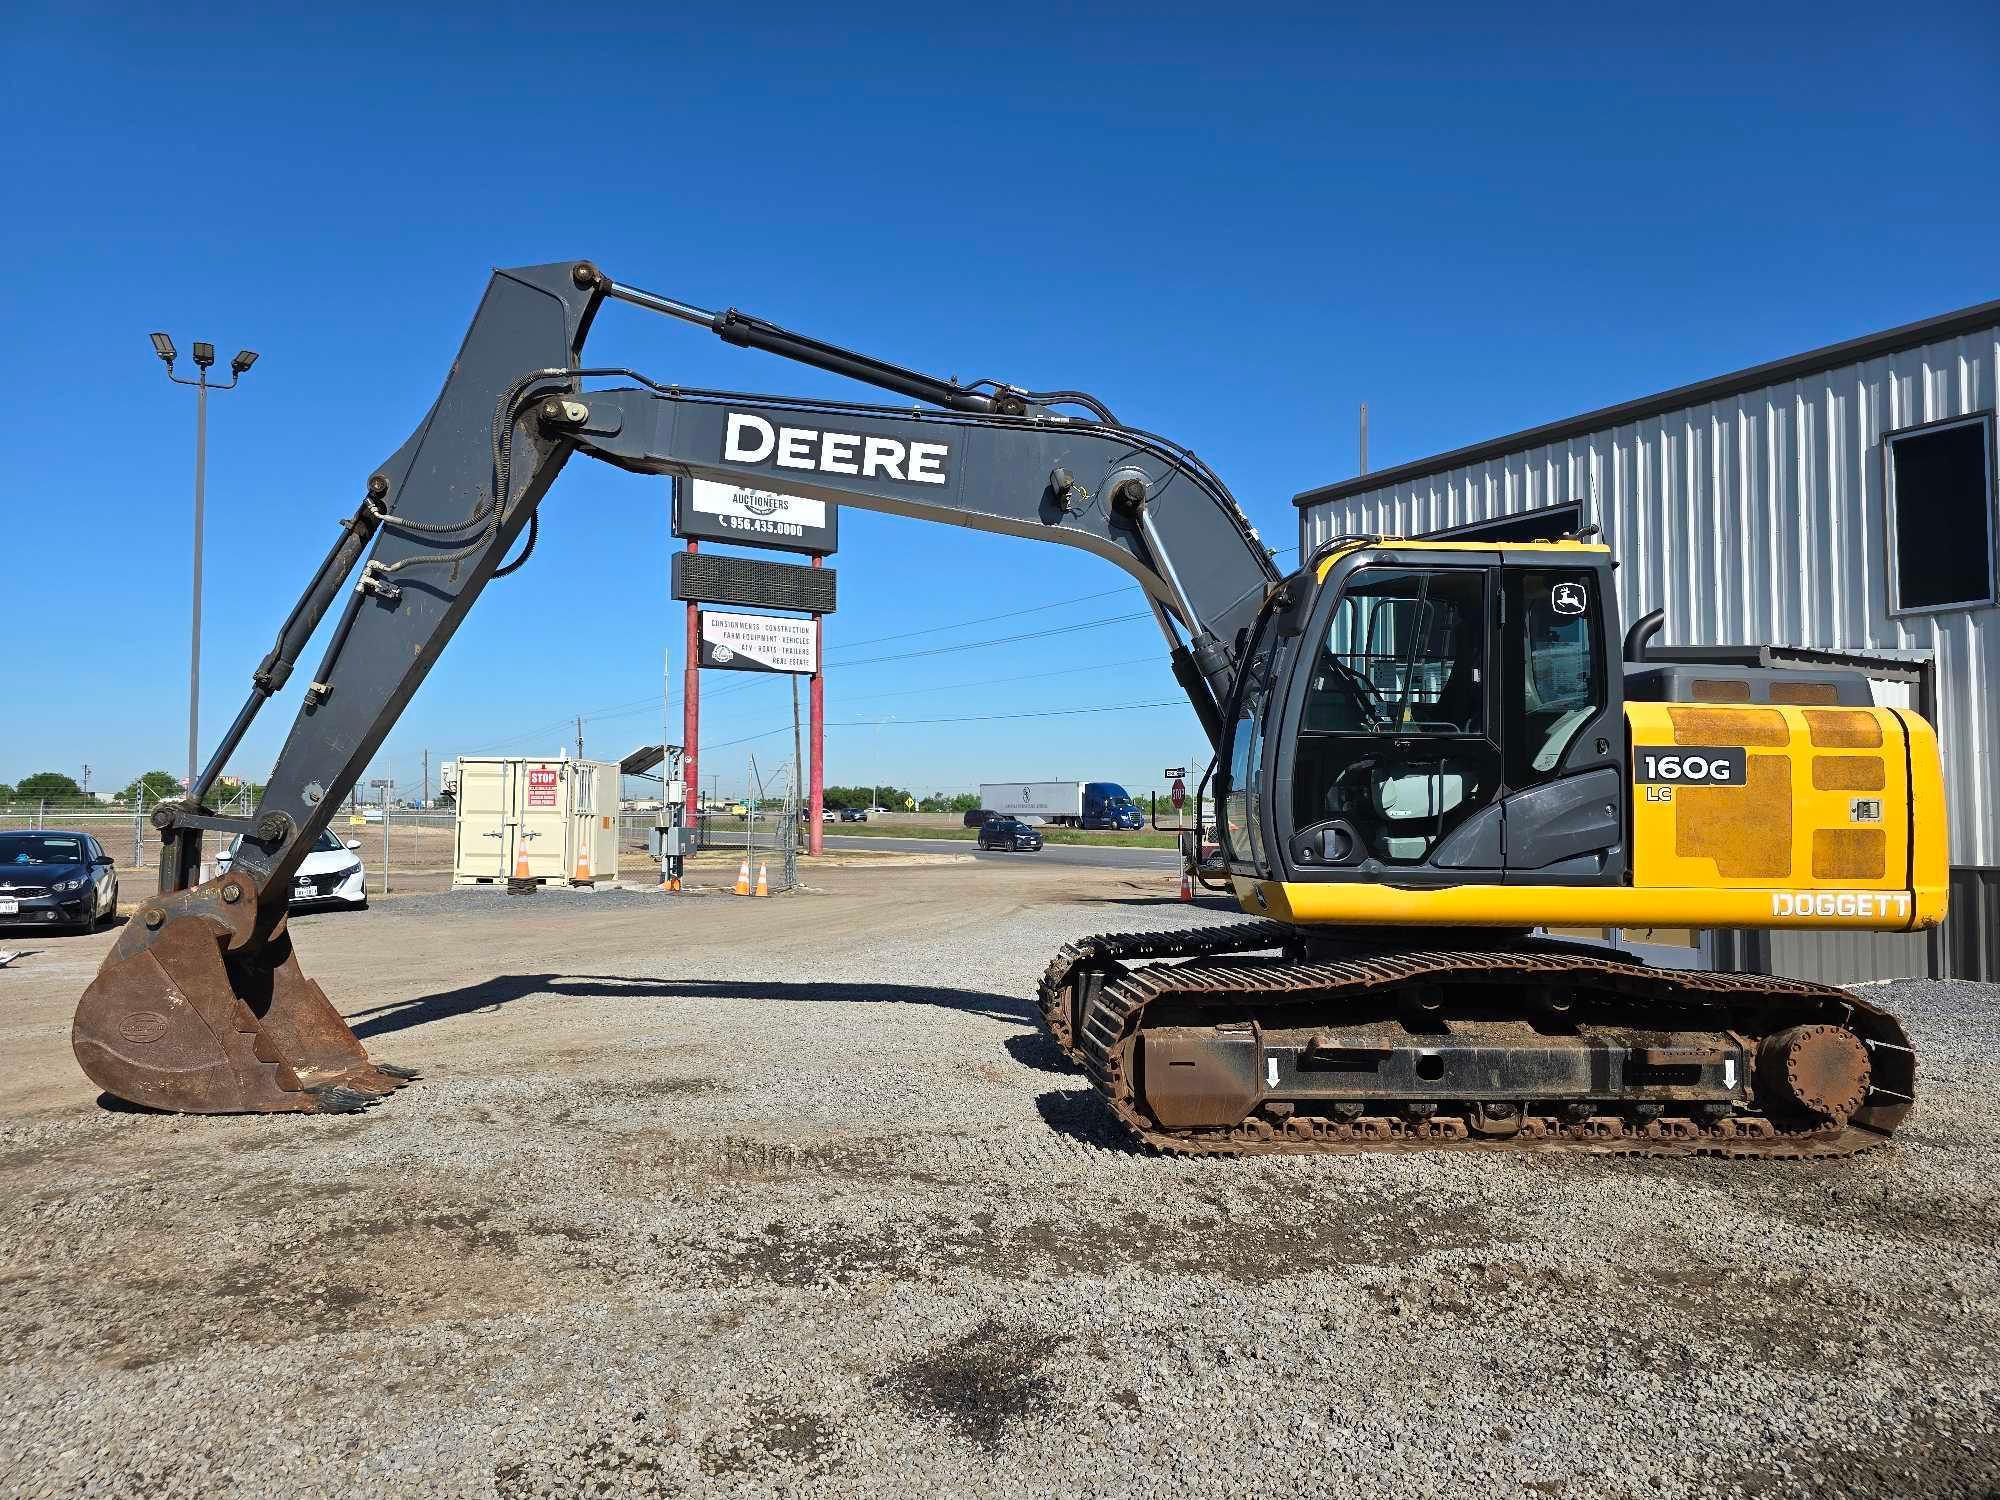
<point x="1069" y="804"/>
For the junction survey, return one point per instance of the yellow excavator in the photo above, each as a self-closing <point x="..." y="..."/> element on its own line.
<point x="1429" y="754"/>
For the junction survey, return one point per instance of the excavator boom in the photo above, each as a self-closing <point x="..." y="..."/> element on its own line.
<point x="201" y="1005"/>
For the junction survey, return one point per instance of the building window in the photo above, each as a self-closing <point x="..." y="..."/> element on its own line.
<point x="1940" y="490"/>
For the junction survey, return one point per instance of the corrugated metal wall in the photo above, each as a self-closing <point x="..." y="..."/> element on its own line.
<point x="1758" y="519"/>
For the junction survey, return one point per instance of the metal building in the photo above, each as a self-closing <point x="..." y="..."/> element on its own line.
<point x="1841" y="500"/>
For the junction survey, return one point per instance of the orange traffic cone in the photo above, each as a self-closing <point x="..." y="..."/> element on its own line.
<point x="1187" y="885"/>
<point x="743" y="877"/>
<point x="763" y="879"/>
<point x="582" y="876"/>
<point x="521" y="862"/>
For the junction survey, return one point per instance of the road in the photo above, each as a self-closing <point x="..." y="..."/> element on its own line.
<point x="1095" y="856"/>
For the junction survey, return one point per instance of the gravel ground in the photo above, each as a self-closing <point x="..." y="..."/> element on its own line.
<point x="727" y="1197"/>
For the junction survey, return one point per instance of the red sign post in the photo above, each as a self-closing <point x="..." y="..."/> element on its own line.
<point x="816" y="700"/>
<point x="691" y="711"/>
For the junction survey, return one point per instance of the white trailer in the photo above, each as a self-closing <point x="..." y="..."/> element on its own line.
<point x="556" y="821"/>
<point x="1053" y="801"/>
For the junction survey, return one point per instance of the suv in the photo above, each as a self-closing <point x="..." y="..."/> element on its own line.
<point x="853" y="815"/>
<point x="1008" y="833"/>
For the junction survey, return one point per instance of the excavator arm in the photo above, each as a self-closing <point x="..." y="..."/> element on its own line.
<point x="201" y="1005"/>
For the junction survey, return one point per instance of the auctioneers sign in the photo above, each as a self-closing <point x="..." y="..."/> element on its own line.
<point x="710" y="510"/>
<point x="759" y="643"/>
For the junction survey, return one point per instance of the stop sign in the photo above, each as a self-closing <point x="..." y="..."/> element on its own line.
<point x="1179" y="793"/>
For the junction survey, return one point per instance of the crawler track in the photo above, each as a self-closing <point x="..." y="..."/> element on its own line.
<point x="1078" y="968"/>
<point x="1100" y="994"/>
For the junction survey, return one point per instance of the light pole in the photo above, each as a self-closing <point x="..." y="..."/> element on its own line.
<point x="204" y="356"/>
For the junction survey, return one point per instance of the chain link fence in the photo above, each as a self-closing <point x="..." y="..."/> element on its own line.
<point x="414" y="849"/>
<point x="125" y="829"/>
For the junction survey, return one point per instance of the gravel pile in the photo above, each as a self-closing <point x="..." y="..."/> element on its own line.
<point x="800" y="1213"/>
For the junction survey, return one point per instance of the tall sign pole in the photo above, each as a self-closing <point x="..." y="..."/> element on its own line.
<point x="691" y="708"/>
<point x="817" y="697"/>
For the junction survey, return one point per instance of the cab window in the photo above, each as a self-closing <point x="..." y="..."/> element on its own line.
<point x="1401" y="656"/>
<point x="1394" y="749"/>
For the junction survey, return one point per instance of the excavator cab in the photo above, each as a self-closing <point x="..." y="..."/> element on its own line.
<point x="1431" y="714"/>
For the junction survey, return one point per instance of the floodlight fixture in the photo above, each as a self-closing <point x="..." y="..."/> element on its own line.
<point x="164" y="347"/>
<point x="204" y="354"/>
<point x="245" y="358"/>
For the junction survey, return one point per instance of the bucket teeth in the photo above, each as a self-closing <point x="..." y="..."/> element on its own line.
<point x="332" y="1099"/>
<point x="407" y="1075"/>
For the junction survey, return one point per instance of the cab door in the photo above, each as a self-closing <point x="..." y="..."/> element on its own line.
<point x="1562" y="712"/>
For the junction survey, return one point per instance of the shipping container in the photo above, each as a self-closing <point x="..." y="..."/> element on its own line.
<point x="554" y="821"/>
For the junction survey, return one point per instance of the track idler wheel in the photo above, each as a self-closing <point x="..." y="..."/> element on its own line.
<point x="1817" y="1070"/>
<point x="195" y="1011"/>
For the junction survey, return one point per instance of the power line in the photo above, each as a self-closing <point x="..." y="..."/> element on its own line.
<point x="946" y="687"/>
<point x="1045" y="713"/>
<point x="986" y="619"/>
<point x="1039" y="713"/>
<point x="998" y="640"/>
<point x="938" y="687"/>
<point x="635" y="706"/>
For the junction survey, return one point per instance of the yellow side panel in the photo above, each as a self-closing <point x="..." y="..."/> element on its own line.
<point x="1824" y="803"/>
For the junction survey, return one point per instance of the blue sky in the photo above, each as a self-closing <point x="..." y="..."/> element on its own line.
<point x="1232" y="225"/>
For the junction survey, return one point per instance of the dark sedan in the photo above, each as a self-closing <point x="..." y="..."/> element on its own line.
<point x="55" y="879"/>
<point x="1008" y="833"/>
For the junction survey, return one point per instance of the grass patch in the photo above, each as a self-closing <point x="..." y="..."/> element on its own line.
<point x="1145" y="840"/>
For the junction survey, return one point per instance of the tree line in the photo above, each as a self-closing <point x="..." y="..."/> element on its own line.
<point x="54" y="786"/>
<point x="899" y="799"/>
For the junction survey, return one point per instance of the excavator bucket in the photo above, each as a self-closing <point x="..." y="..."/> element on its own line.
<point x="197" y="1011"/>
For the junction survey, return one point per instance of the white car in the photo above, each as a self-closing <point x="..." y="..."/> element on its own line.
<point x="330" y="875"/>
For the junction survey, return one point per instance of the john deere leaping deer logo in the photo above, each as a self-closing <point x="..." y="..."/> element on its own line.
<point x="1569" y="599"/>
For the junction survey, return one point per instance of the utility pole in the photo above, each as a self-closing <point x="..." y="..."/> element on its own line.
<point x="1364" y="437"/>
<point x="427" y="780"/>
<point x="204" y="356"/>
<point x="579" y="736"/>
<point x="383" y="783"/>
